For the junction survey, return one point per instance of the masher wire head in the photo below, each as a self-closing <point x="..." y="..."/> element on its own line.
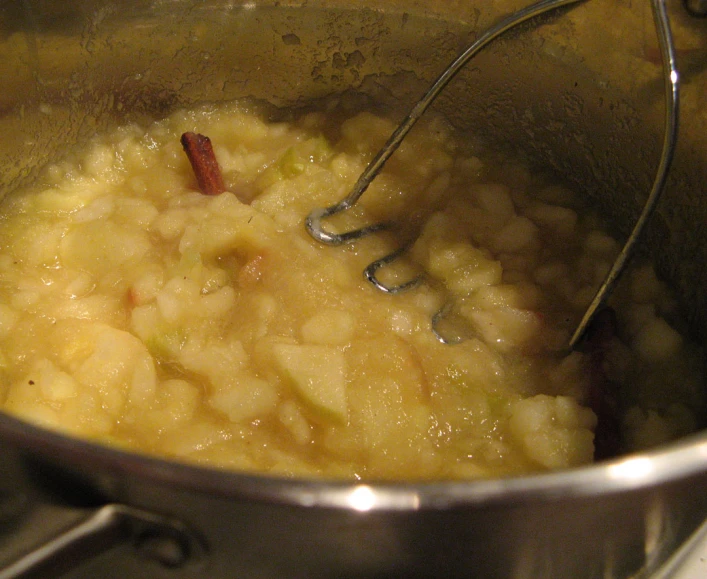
<point x="313" y="222"/>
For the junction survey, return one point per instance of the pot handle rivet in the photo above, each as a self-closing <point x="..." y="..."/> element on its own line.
<point x="168" y="550"/>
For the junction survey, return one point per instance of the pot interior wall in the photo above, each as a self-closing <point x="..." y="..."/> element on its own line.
<point x="586" y="104"/>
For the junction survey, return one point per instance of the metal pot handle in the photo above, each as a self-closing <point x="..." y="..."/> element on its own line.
<point x="160" y="539"/>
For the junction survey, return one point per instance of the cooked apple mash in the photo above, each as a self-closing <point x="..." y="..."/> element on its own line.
<point x="139" y="312"/>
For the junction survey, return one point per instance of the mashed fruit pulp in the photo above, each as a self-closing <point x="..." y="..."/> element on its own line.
<point x="136" y="311"/>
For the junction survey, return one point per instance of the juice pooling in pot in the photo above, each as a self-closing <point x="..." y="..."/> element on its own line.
<point x="136" y="311"/>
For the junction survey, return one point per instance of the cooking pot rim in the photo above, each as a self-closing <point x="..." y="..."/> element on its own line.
<point x="677" y="460"/>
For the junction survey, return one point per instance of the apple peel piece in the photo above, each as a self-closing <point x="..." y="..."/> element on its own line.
<point x="318" y="375"/>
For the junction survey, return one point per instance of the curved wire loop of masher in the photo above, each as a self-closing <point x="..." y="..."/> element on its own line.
<point x="370" y="273"/>
<point x="672" y="112"/>
<point x="313" y="222"/>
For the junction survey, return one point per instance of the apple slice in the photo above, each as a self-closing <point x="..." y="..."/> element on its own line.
<point x="318" y="376"/>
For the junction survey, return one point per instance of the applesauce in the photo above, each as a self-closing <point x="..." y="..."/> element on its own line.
<point x="138" y="312"/>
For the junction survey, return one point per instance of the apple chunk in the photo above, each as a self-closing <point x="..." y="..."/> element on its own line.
<point x="317" y="374"/>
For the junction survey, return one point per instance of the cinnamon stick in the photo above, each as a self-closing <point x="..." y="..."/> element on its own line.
<point x="203" y="162"/>
<point x="602" y="393"/>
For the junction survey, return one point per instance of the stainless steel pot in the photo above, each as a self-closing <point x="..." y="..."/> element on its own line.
<point x="580" y="92"/>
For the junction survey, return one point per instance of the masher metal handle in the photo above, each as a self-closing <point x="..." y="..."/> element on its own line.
<point x="313" y="223"/>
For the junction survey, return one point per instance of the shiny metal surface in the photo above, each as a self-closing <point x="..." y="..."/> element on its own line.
<point x="671" y="79"/>
<point x="581" y="94"/>
<point x="617" y="520"/>
<point x="159" y="540"/>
